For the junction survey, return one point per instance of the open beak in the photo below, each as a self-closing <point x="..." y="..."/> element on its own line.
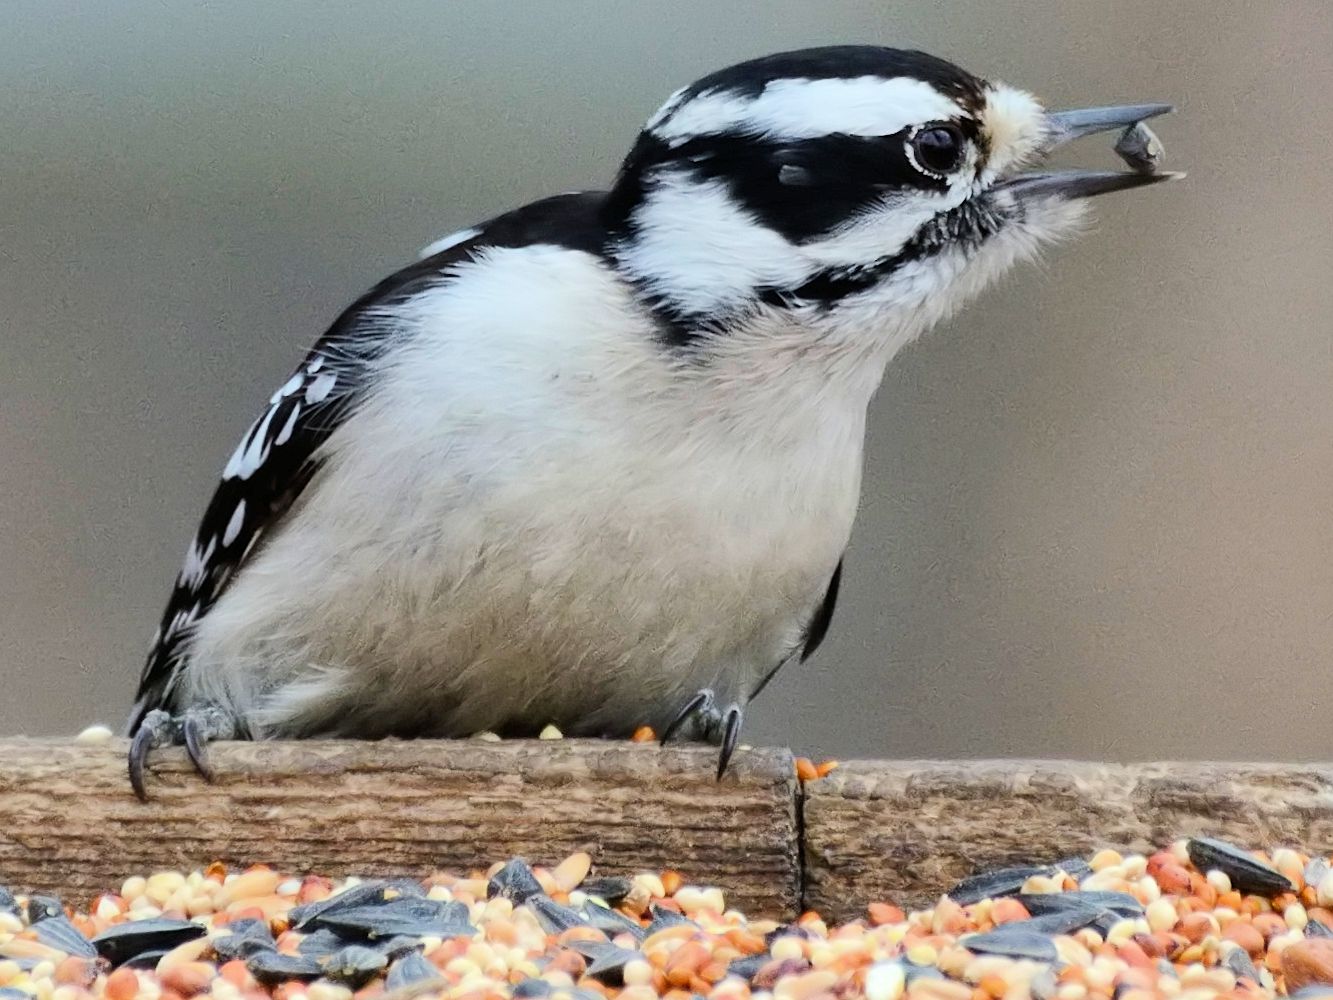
<point x="1066" y="126"/>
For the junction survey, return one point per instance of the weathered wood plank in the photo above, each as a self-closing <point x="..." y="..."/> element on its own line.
<point x="898" y="830"/>
<point x="908" y="830"/>
<point x="69" y="823"/>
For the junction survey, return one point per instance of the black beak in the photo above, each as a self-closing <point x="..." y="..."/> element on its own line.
<point x="1066" y="126"/>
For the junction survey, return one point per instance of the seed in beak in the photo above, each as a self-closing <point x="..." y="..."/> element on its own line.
<point x="1140" y="148"/>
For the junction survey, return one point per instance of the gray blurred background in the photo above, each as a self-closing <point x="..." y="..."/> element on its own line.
<point x="1098" y="516"/>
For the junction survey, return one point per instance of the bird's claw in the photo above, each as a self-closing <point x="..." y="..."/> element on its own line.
<point x="698" y="709"/>
<point x="720" y="726"/>
<point x="195" y="729"/>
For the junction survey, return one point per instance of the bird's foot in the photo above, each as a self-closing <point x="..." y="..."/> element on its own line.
<point x="720" y="726"/>
<point x="194" y="728"/>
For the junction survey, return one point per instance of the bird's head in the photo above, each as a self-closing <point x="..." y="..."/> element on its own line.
<point x="855" y="185"/>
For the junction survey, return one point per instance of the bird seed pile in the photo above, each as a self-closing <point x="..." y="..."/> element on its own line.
<point x="1198" y="920"/>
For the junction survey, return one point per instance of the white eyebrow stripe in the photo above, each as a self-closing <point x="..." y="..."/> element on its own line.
<point x="804" y="109"/>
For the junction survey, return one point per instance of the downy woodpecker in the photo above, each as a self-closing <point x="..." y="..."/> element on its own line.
<point x="595" y="462"/>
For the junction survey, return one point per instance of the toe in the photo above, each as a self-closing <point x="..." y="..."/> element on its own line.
<point x="733" y="718"/>
<point x="139" y="747"/>
<point x="700" y="703"/>
<point x="196" y="745"/>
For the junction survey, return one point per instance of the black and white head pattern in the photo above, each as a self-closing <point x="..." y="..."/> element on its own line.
<point x="809" y="176"/>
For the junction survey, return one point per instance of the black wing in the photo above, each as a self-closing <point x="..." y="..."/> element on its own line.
<point x="815" y="630"/>
<point x="270" y="467"/>
<point x="819" y="624"/>
<point x="282" y="449"/>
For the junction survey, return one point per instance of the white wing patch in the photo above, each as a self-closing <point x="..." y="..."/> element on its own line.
<point x="285" y="434"/>
<point x="445" y="242"/>
<point x="196" y="565"/>
<point x="181" y="621"/>
<point x="320" y="387"/>
<point x="255" y="447"/>
<point x="235" y="524"/>
<point x="288" y="387"/>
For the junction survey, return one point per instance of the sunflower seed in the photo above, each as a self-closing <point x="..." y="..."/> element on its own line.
<point x="663" y="918"/>
<point x="1076" y="868"/>
<point x="608" y="961"/>
<point x="1012" y="941"/>
<point x="1069" y="920"/>
<point x="414" y="917"/>
<point x="554" y="918"/>
<point x="272" y="967"/>
<point x="354" y="965"/>
<point x="514" y="882"/>
<point x="748" y="967"/>
<point x="612" y="890"/>
<point x="411" y="968"/>
<point x="123" y="942"/>
<point x="1120" y="903"/>
<point x="987" y="885"/>
<point x="58" y="932"/>
<point x="1246" y="874"/>
<point x="530" y="989"/>
<point x="612" y="922"/>
<point x="1140" y="148"/>
<point x="319" y="943"/>
<point x="396" y="947"/>
<point x="1237" y="960"/>
<point x="366" y="894"/>
<point x="43" y="908"/>
<point x="245" y="937"/>
<point x="146" y="959"/>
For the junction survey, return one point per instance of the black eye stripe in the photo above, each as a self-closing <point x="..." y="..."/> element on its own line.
<point x="801" y="188"/>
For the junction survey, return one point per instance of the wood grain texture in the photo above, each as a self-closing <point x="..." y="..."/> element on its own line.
<point x="69" y="823"/>
<point x="908" y="830"/>
<point x="898" y="830"/>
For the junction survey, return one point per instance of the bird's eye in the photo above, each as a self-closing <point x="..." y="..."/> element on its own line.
<point x="937" y="149"/>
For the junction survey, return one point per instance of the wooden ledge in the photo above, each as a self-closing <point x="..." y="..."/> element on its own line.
<point x="899" y="830"/>
<point x="70" y="824"/>
<point x="908" y="830"/>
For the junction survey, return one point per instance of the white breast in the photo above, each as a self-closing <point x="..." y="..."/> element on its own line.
<point x="540" y="516"/>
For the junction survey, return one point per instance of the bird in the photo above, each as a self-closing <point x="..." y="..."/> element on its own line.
<point x="595" y="462"/>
